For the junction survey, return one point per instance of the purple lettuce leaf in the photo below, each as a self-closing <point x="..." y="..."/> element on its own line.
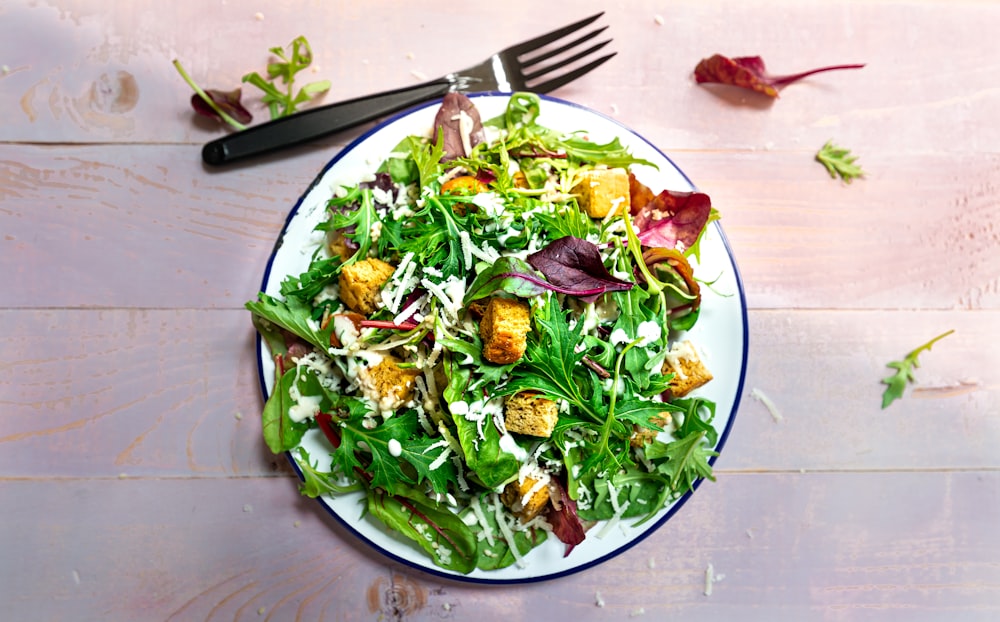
<point x="228" y="101"/>
<point x="574" y="264"/>
<point x="670" y="217"/>
<point x="565" y="522"/>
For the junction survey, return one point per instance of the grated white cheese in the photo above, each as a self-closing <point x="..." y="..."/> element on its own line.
<point x="477" y="510"/>
<point x="466" y="243"/>
<point x="508" y="535"/>
<point x="433" y="466"/>
<point x="619" y="510"/>
<point x="465" y="125"/>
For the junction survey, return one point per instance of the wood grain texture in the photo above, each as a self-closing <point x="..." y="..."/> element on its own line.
<point x="133" y="481"/>
<point x="145" y="226"/>
<point x="816" y="546"/>
<point x="919" y="92"/>
<point x="175" y="393"/>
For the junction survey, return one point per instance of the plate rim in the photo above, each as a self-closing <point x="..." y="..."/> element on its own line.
<point x="674" y="507"/>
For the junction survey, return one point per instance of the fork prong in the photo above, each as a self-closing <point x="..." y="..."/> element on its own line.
<point x="555" y="83"/>
<point x="537" y="42"/>
<point x="527" y="62"/>
<point x="565" y="62"/>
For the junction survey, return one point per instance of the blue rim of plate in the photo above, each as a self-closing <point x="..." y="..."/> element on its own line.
<point x="723" y="437"/>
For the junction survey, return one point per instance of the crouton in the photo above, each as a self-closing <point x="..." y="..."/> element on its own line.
<point x="504" y="330"/>
<point x="513" y="496"/>
<point x="526" y="413"/>
<point x="689" y="372"/>
<point x="602" y="190"/>
<point x="387" y="384"/>
<point x="360" y="283"/>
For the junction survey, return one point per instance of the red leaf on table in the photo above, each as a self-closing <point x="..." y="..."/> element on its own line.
<point x="748" y="72"/>
<point x="670" y="217"/>
<point x="228" y="101"/>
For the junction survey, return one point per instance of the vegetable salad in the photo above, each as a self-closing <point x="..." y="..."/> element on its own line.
<point x="489" y="357"/>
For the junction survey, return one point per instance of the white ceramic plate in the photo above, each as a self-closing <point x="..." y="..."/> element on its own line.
<point x="720" y="334"/>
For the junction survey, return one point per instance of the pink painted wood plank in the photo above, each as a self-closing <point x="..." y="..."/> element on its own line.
<point x="874" y="546"/>
<point x="917" y="232"/>
<point x="158" y="392"/>
<point x="822" y="371"/>
<point x="98" y="393"/>
<point x="106" y="75"/>
<point x="147" y="226"/>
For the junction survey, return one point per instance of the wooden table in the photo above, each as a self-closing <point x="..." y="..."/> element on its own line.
<point x="134" y="484"/>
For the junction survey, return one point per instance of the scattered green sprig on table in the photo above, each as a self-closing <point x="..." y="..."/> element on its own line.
<point x="297" y="57"/>
<point x="281" y="100"/>
<point x="839" y="162"/>
<point x="904" y="371"/>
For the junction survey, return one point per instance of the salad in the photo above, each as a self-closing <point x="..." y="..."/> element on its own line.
<point x="489" y="341"/>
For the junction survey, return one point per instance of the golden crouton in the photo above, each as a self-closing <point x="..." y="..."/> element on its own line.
<point x="602" y="190"/>
<point x="388" y="384"/>
<point x="526" y="413"/>
<point x="689" y="372"/>
<point x="514" y="493"/>
<point x="361" y="282"/>
<point x="504" y="330"/>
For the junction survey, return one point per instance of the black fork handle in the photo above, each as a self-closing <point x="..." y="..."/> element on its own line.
<point x="317" y="122"/>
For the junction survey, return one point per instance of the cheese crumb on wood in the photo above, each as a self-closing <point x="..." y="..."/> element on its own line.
<point x="759" y="395"/>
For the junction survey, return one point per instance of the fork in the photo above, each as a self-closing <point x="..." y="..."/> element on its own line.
<point x="509" y="70"/>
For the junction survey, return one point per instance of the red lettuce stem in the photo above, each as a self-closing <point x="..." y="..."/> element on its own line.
<point x="783" y="80"/>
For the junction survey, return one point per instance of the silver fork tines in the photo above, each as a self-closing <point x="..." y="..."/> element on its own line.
<point x="518" y="67"/>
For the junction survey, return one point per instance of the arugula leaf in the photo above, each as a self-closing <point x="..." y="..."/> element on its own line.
<point x="417" y="451"/>
<point x="839" y="161"/>
<point x="448" y="541"/>
<point x="427" y="158"/>
<point x="317" y="483"/>
<point x="310" y="283"/>
<point x="283" y="103"/>
<point x="904" y="371"/>
<point x="692" y="421"/>
<point x="686" y="460"/>
<point x="294" y="316"/>
<point x="421" y="452"/>
<point x="567" y="221"/>
<point x="642" y="412"/>
<point x="353" y="215"/>
<point x="551" y="364"/>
